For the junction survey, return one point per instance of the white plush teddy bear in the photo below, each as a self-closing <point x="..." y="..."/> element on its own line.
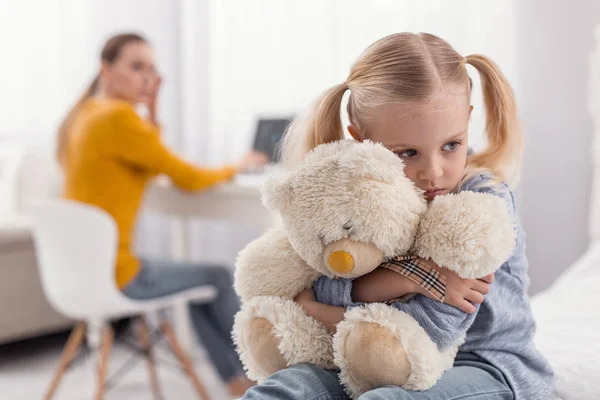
<point x="346" y="208"/>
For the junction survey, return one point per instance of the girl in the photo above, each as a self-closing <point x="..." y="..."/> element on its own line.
<point x="108" y="155"/>
<point x="411" y="92"/>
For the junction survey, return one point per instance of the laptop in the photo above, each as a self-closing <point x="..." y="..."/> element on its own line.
<point x="268" y="135"/>
<point x="267" y="139"/>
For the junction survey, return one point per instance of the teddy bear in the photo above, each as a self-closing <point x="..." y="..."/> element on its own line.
<point x="346" y="209"/>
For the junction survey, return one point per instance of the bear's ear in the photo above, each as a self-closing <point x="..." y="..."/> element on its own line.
<point x="277" y="192"/>
<point x="373" y="161"/>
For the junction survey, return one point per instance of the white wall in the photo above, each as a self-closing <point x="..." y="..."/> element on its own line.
<point x="266" y="58"/>
<point x="554" y="40"/>
<point x="53" y="48"/>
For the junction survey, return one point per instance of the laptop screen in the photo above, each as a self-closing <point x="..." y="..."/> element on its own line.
<point x="268" y="136"/>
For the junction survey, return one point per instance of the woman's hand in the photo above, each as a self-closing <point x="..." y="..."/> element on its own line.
<point x="153" y="99"/>
<point x="461" y="293"/>
<point x="252" y="160"/>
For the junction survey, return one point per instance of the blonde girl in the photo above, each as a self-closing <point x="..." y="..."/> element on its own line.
<point x="412" y="93"/>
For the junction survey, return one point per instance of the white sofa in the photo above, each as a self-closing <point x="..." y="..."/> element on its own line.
<point x="568" y="313"/>
<point x="26" y="175"/>
<point x="568" y="328"/>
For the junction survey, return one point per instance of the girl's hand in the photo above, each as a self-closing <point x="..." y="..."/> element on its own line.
<point x="461" y="293"/>
<point x="329" y="316"/>
<point x="306" y="298"/>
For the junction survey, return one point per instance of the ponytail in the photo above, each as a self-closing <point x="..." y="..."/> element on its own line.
<point x="63" y="129"/>
<point x="322" y="124"/>
<point x="502" y="156"/>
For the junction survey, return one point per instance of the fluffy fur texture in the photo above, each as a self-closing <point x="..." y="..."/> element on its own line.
<point x="269" y="266"/>
<point x="345" y="196"/>
<point x="348" y="190"/>
<point x="470" y="233"/>
<point x="427" y="363"/>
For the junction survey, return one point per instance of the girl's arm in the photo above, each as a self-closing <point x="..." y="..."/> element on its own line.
<point x="443" y="322"/>
<point x="387" y="284"/>
<point x="382" y="285"/>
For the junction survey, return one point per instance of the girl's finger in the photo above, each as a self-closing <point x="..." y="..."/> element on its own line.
<point x="474" y="297"/>
<point x="488" y="278"/>
<point x="467" y="307"/>
<point x="480" y="286"/>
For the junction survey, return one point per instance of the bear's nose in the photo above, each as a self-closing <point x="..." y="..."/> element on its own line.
<point x="341" y="262"/>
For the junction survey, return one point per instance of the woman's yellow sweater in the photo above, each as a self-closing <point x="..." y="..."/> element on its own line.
<point x="111" y="155"/>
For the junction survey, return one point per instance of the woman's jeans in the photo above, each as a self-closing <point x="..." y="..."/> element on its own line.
<point x="213" y="322"/>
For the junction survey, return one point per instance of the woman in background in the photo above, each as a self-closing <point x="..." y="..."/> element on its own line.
<point x="108" y="155"/>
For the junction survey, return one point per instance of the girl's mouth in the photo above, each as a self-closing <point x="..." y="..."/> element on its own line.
<point x="431" y="194"/>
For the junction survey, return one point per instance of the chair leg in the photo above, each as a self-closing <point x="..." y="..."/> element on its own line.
<point x="107" y="339"/>
<point x="184" y="360"/>
<point x="144" y="337"/>
<point x="69" y="351"/>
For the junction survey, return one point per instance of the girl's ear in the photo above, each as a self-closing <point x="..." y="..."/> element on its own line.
<point x="355" y="133"/>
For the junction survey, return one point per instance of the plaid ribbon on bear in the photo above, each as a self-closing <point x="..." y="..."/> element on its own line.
<point x="417" y="271"/>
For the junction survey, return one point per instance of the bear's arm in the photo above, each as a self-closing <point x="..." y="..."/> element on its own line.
<point x="269" y="266"/>
<point x="472" y="233"/>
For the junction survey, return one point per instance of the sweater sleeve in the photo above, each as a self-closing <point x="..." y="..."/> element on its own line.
<point x="138" y="143"/>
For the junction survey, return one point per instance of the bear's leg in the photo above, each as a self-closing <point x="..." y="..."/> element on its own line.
<point x="375" y="357"/>
<point x="265" y="349"/>
<point x="256" y="342"/>
<point x="378" y="345"/>
<point x="272" y="333"/>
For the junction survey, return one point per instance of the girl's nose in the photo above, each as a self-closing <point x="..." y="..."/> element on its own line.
<point x="431" y="171"/>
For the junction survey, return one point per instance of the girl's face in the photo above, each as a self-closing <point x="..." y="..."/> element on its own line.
<point x="131" y="76"/>
<point x="432" y="141"/>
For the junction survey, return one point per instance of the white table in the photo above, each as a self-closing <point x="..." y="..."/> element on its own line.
<point x="238" y="201"/>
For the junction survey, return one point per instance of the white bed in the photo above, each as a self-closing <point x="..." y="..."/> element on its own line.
<point x="568" y="313"/>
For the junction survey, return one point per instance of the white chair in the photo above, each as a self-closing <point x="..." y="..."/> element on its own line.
<point x="76" y="248"/>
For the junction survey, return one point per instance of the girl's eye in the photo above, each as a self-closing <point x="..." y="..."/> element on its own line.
<point x="451" y="146"/>
<point x="406" y="153"/>
<point x="137" y="66"/>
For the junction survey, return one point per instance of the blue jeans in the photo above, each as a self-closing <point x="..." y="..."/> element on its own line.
<point x="212" y="322"/>
<point x="470" y="378"/>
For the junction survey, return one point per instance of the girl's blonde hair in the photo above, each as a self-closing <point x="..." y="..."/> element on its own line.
<point x="110" y="52"/>
<point x="407" y="68"/>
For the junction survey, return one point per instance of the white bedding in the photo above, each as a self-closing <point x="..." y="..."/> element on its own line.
<point x="568" y="328"/>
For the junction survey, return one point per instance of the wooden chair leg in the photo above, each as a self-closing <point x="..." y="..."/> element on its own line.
<point x="184" y="360"/>
<point x="69" y="351"/>
<point x="144" y="337"/>
<point x="107" y="339"/>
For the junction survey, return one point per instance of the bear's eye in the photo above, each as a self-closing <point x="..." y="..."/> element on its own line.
<point x="347" y="226"/>
<point x="321" y="239"/>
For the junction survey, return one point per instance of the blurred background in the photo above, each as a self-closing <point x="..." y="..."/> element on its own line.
<point x="225" y="64"/>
